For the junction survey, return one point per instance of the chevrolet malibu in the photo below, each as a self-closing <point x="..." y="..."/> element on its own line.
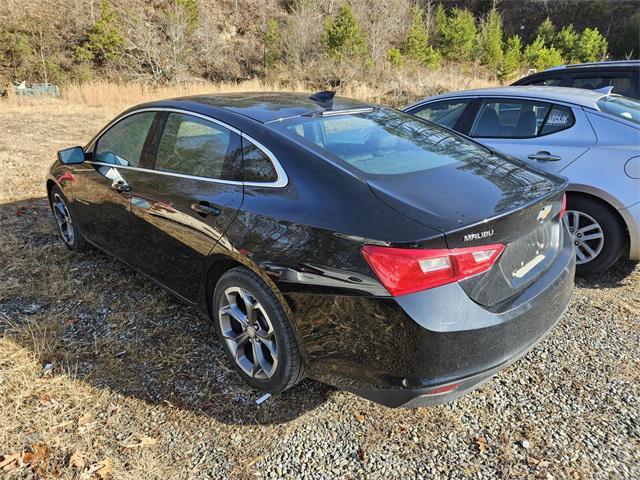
<point x="350" y="243"/>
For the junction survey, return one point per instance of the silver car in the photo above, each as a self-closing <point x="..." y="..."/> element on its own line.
<point x="590" y="137"/>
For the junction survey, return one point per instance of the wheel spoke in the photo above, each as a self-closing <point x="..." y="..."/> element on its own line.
<point x="588" y="249"/>
<point x="593" y="236"/>
<point x="575" y="220"/>
<point x="580" y="255"/>
<point x="256" y="358"/>
<point x="588" y="228"/>
<point x="234" y="312"/>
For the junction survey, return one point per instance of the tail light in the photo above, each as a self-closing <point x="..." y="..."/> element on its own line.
<point x="563" y="209"/>
<point x="408" y="270"/>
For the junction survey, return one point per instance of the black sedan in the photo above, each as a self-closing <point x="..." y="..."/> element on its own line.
<point x="347" y="242"/>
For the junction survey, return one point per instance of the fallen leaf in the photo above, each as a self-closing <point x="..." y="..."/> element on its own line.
<point x="361" y="454"/>
<point x="85" y="419"/>
<point x="360" y="418"/>
<point x="533" y="461"/>
<point x="39" y="452"/>
<point x="105" y="470"/>
<point x="139" y="442"/>
<point x="482" y="444"/>
<point x="100" y="470"/>
<point x="9" y="462"/>
<point x="77" y="460"/>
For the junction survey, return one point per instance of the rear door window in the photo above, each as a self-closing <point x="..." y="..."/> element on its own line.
<point x="622" y="84"/>
<point x="123" y="143"/>
<point x="193" y="146"/>
<point x="257" y="166"/>
<point x="446" y="113"/>
<point x="559" y="118"/>
<point x="509" y="119"/>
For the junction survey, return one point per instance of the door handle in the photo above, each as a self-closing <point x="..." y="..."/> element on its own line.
<point x="544" y="157"/>
<point x="205" y="208"/>
<point x="121" y="186"/>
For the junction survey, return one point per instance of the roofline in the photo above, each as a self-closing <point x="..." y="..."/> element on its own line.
<point x="521" y="92"/>
<point x="593" y="64"/>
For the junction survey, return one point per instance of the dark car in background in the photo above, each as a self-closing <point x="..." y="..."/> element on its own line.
<point x="351" y="243"/>
<point x="623" y="76"/>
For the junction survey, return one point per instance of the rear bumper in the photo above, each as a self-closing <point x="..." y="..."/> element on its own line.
<point x="395" y="351"/>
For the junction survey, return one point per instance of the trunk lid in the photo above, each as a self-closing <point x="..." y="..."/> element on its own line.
<point x="490" y="200"/>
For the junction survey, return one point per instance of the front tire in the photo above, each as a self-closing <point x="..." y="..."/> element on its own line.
<point x="596" y="232"/>
<point x="68" y="229"/>
<point x="255" y="332"/>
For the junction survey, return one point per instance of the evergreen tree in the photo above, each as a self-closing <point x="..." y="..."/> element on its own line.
<point x="566" y="41"/>
<point x="541" y="57"/>
<point x="512" y="59"/>
<point x="395" y="57"/>
<point x="272" y="43"/>
<point x="459" y="35"/>
<point x="490" y="40"/>
<point x="342" y="36"/>
<point x="546" y="31"/>
<point x="417" y="47"/>
<point x="104" y="40"/>
<point x="591" y="46"/>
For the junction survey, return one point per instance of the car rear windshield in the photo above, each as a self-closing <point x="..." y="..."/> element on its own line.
<point x="382" y="141"/>
<point x="621" y="107"/>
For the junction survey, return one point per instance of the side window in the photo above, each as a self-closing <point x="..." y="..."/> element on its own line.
<point x="509" y="119"/>
<point x="123" y="143"/>
<point x="548" y="82"/>
<point x="559" y="118"/>
<point x="444" y="113"/>
<point x="621" y="84"/>
<point x="194" y="146"/>
<point x="257" y="165"/>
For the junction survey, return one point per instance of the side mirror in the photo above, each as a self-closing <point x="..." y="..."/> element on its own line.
<point x="71" y="156"/>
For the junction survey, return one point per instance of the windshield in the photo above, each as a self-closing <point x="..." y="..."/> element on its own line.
<point x="384" y="142"/>
<point x="621" y="107"/>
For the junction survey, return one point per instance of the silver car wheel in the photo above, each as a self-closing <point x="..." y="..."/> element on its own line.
<point x="587" y="235"/>
<point x="248" y="332"/>
<point x="63" y="219"/>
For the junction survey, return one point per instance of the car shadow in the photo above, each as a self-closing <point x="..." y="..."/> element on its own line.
<point x="95" y="319"/>
<point x="613" y="277"/>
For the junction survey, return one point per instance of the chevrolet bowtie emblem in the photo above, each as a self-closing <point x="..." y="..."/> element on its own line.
<point x="544" y="213"/>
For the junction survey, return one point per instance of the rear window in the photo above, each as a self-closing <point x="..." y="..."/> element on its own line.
<point x="621" y="107"/>
<point x="384" y="142"/>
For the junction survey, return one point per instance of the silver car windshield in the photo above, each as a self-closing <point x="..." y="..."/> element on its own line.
<point x="621" y="107"/>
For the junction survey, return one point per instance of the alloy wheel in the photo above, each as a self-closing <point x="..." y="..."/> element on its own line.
<point x="249" y="333"/>
<point x="586" y="234"/>
<point x="63" y="219"/>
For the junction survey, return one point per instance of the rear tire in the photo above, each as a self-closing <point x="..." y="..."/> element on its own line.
<point x="255" y="332"/>
<point x="68" y="228"/>
<point x="597" y="234"/>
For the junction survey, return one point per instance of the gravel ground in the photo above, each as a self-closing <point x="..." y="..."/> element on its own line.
<point x="96" y="362"/>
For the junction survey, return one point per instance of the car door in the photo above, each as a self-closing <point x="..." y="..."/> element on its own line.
<point x="549" y="136"/>
<point x="101" y="192"/>
<point x="182" y="206"/>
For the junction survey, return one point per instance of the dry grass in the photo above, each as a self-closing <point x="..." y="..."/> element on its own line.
<point x="398" y="90"/>
<point x="109" y="371"/>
